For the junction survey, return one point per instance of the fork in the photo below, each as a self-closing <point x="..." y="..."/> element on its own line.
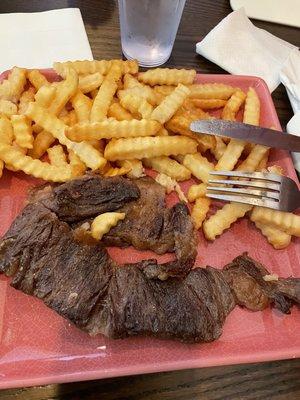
<point x="260" y="189"/>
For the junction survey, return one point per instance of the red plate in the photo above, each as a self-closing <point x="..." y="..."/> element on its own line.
<point x="39" y="347"/>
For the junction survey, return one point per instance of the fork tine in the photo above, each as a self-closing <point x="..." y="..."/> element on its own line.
<point x="246" y="200"/>
<point x="249" y="192"/>
<point x="255" y="184"/>
<point x="253" y="175"/>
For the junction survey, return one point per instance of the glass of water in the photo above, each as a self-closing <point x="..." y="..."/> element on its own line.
<point x="148" y="29"/>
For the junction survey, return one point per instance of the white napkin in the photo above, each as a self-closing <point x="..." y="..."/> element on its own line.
<point x="240" y="48"/>
<point x="36" y="40"/>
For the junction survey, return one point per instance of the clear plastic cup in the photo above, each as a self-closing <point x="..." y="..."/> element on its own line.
<point x="148" y="29"/>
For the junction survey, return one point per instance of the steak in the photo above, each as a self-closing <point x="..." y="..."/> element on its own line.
<point x="87" y="197"/>
<point x="74" y="275"/>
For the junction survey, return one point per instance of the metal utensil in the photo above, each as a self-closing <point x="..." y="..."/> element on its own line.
<point x="260" y="189"/>
<point x="248" y="133"/>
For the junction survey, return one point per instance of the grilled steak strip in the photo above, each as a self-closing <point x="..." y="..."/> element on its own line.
<point x="88" y="197"/>
<point x="76" y="278"/>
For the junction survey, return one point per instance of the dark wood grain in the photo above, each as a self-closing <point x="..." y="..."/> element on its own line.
<point x="274" y="380"/>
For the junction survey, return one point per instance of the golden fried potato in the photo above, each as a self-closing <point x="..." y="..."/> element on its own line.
<point x="231" y="155"/>
<point x="77" y="166"/>
<point x="37" y="79"/>
<point x="82" y="105"/>
<point x="181" y="124"/>
<point x="41" y="143"/>
<point x="90" y="82"/>
<point x="119" y="113"/>
<point x="167" y="108"/>
<point x="254" y="158"/>
<point x="146" y="147"/>
<point x="90" y="156"/>
<point x="104" y="222"/>
<point x="233" y="105"/>
<point x="112" y="129"/>
<point x="167" y="76"/>
<point x="223" y="219"/>
<point x="277" y="238"/>
<point x="64" y="91"/>
<point x="57" y="156"/>
<point x="22" y="131"/>
<point x="252" y="108"/>
<point x="8" y="108"/>
<point x="117" y="171"/>
<point x="136" y="105"/>
<point x="136" y="169"/>
<point x="170" y="185"/>
<point x="44" y="96"/>
<point x="12" y="87"/>
<point x="14" y="157"/>
<point x="169" y="167"/>
<point x="284" y="221"/>
<point x="209" y="104"/>
<point x="196" y="191"/>
<point x="105" y="95"/>
<point x="199" y="166"/>
<point x="211" y="91"/>
<point x="200" y="211"/>
<point x="219" y="148"/>
<point x="26" y="97"/>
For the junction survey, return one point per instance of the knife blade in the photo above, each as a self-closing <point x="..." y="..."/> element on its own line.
<point x="249" y="133"/>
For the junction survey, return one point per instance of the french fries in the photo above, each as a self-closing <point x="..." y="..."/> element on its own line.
<point x="231" y="155"/>
<point x="12" y="88"/>
<point x="41" y="143"/>
<point x="22" y="131"/>
<point x="146" y="147"/>
<point x="167" y="108"/>
<point x="26" y="97"/>
<point x="211" y="91"/>
<point x="181" y="124"/>
<point x="252" y="108"/>
<point x="118" y="112"/>
<point x="219" y="148"/>
<point x="6" y="136"/>
<point x="196" y="191"/>
<point x="57" y="156"/>
<point x="166" y="76"/>
<point x="37" y="79"/>
<point x="277" y="238"/>
<point x="233" y="105"/>
<point x="104" y="222"/>
<point x="209" y="104"/>
<point x="82" y="105"/>
<point x="14" y="157"/>
<point x="285" y="221"/>
<point x="90" y="82"/>
<point x="136" y="105"/>
<point x="44" y="96"/>
<point x="64" y="91"/>
<point x="135" y="168"/>
<point x="200" y="210"/>
<point x="168" y="167"/>
<point x="85" y="67"/>
<point x="223" y="219"/>
<point x="78" y="167"/>
<point x="8" y="108"/>
<point x="112" y="129"/>
<point x="170" y="185"/>
<point x="199" y="166"/>
<point x="90" y="156"/>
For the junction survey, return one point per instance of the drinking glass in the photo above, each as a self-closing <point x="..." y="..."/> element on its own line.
<point x="148" y="29"/>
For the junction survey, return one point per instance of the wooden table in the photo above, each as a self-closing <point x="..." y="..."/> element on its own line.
<point x="273" y="380"/>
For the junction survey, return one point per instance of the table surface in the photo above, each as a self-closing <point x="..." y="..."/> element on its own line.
<point x="272" y="380"/>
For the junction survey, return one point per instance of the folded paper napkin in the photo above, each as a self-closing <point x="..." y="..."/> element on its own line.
<point x="36" y="40"/>
<point x="240" y="48"/>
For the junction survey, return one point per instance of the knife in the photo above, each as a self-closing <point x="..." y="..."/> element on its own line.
<point x="248" y="133"/>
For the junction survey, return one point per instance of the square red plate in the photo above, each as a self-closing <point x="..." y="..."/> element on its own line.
<point x="39" y="347"/>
